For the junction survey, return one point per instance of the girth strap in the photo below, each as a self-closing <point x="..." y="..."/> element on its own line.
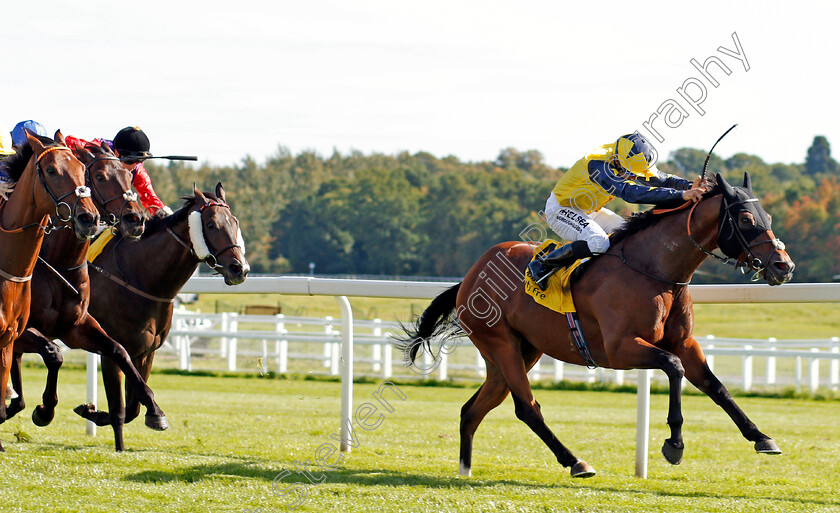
<point x="580" y="340"/>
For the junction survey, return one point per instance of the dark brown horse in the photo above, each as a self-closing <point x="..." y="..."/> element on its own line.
<point x="61" y="291"/>
<point x="133" y="293"/>
<point x="50" y="181"/>
<point x="634" y="307"/>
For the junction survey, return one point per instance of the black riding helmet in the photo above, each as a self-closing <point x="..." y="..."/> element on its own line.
<point x="132" y="142"/>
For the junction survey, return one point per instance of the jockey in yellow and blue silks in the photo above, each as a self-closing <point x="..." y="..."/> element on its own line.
<point x="575" y="209"/>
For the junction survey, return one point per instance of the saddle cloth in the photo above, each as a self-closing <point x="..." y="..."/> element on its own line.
<point x="99" y="244"/>
<point x="557" y="295"/>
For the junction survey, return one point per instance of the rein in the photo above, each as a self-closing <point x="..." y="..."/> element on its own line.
<point x="129" y="286"/>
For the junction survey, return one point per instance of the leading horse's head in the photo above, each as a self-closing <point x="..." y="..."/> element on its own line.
<point x="744" y="234"/>
<point x="62" y="179"/>
<point x="110" y="183"/>
<point x="216" y="237"/>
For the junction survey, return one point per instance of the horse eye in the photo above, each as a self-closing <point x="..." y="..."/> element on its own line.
<point x="52" y="171"/>
<point x="210" y="225"/>
<point x="747" y="221"/>
<point x="100" y="178"/>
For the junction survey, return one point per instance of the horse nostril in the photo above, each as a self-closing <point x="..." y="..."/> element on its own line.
<point x="87" y="219"/>
<point x="235" y="268"/>
<point x="785" y="267"/>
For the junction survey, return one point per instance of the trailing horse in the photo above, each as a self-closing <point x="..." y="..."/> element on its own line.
<point x="135" y="283"/>
<point x="61" y="291"/>
<point x="48" y="179"/>
<point x="634" y="307"/>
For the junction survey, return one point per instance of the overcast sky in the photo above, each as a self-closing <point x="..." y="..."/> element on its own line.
<point x="222" y="80"/>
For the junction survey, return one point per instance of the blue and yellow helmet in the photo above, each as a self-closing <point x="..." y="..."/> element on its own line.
<point x="635" y="154"/>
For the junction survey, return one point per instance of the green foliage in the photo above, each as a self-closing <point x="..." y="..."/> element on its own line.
<point x="418" y="214"/>
<point x="819" y="161"/>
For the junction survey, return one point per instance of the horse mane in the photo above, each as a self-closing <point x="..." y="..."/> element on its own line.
<point x="14" y="165"/>
<point x="643" y="220"/>
<point x="157" y="223"/>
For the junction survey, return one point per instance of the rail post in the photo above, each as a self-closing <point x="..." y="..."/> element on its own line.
<point x="346" y="370"/>
<point x="92" y="388"/>
<point x="642" y="422"/>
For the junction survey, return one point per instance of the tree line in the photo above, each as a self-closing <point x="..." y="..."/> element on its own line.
<point x="421" y="215"/>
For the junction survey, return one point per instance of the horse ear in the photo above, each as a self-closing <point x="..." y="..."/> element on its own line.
<point x="34" y="143"/>
<point x="747" y="181"/>
<point x="728" y="191"/>
<point x="83" y="153"/>
<point x="198" y="194"/>
<point x="220" y="192"/>
<point x="59" y="137"/>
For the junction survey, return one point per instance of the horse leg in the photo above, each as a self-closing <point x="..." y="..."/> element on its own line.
<point x="698" y="374"/>
<point x="512" y="366"/>
<point x="489" y="395"/>
<point x="638" y="354"/>
<point x="33" y="341"/>
<point x="17" y="404"/>
<point x="6" y="355"/>
<point x="112" y="379"/>
<point x="89" y="336"/>
<point x="132" y="404"/>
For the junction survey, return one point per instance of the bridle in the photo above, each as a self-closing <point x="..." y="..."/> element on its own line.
<point x="199" y="248"/>
<point x="128" y="196"/>
<point x="751" y="261"/>
<point x="81" y="191"/>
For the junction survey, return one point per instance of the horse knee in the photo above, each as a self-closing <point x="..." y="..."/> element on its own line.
<point x="672" y="365"/>
<point x="524" y="411"/>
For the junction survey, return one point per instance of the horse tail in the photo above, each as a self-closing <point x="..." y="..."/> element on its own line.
<point x="435" y="321"/>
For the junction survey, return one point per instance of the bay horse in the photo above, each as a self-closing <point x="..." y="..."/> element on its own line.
<point x="634" y="307"/>
<point x="61" y="291"/>
<point x="135" y="283"/>
<point x="48" y="178"/>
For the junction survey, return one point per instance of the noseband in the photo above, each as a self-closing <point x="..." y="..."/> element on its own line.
<point x="751" y="261"/>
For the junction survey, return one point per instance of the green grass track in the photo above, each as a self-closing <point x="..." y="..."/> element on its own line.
<point x="230" y="438"/>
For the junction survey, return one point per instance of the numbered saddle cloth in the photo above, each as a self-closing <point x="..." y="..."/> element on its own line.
<point x="557" y="295"/>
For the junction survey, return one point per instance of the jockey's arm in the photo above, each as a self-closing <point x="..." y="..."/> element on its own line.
<point x="628" y="190"/>
<point x="143" y="185"/>
<point x="670" y="181"/>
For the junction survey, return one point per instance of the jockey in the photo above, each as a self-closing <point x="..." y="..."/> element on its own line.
<point x="7" y="147"/>
<point x="19" y="134"/>
<point x="132" y="142"/>
<point x="575" y="209"/>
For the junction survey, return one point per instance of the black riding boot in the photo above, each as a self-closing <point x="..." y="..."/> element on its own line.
<point x="542" y="268"/>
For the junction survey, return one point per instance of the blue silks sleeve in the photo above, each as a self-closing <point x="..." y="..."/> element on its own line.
<point x="670" y="181"/>
<point x="627" y="189"/>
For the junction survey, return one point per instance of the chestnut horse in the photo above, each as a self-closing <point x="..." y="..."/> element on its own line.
<point x="61" y="291"/>
<point x="49" y="178"/>
<point x="634" y="306"/>
<point x="135" y="284"/>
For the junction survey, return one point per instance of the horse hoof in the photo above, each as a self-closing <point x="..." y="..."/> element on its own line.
<point x="41" y="419"/>
<point x="158" y="423"/>
<point x="672" y="453"/>
<point x="582" y="469"/>
<point x="767" y="447"/>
